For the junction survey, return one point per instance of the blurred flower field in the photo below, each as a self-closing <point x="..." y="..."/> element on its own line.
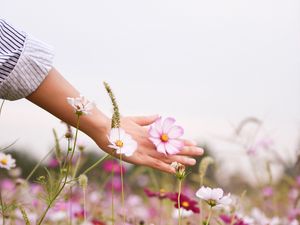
<point x="75" y="186"/>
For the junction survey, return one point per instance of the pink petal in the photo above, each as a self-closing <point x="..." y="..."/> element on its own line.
<point x="155" y="141"/>
<point x="167" y="124"/>
<point x="171" y="149"/>
<point x="153" y="132"/>
<point x="161" y="148"/>
<point x="175" y="132"/>
<point x="176" y="143"/>
<point x="158" y="126"/>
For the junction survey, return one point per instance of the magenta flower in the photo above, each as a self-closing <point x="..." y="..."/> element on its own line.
<point x="53" y="163"/>
<point x="185" y="202"/>
<point x="165" y="136"/>
<point x="113" y="166"/>
<point x="161" y="194"/>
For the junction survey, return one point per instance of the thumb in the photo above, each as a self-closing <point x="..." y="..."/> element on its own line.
<point x="144" y="120"/>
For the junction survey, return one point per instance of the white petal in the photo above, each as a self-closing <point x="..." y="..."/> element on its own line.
<point x="217" y="193"/>
<point x="70" y="101"/>
<point x="204" y="193"/>
<point x="226" y="200"/>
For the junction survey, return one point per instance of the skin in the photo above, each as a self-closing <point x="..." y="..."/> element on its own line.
<point x="97" y="125"/>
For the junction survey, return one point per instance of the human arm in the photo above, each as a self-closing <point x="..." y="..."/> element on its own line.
<point x="97" y="125"/>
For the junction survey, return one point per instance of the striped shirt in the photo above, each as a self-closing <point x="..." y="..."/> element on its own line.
<point x="24" y="62"/>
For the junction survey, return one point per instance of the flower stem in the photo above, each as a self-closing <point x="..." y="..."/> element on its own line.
<point x="2" y="207"/>
<point x="178" y="201"/>
<point x="77" y="165"/>
<point x="122" y="190"/>
<point x="66" y="176"/>
<point x="70" y="205"/>
<point x="84" y="204"/>
<point x="95" y="164"/>
<point x="209" y="216"/>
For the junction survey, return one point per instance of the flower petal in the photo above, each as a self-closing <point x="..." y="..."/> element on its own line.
<point x="153" y="132"/>
<point x="217" y="193"/>
<point x="167" y="124"/>
<point x="158" y="126"/>
<point x="226" y="200"/>
<point x="204" y="193"/>
<point x="155" y="141"/>
<point x="175" y="132"/>
<point x="161" y="148"/>
<point x="176" y="143"/>
<point x="170" y="149"/>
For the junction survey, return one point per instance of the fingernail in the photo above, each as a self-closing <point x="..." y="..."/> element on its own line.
<point x="200" y="150"/>
<point x="192" y="161"/>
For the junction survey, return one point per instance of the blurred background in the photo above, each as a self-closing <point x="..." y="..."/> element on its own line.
<point x="228" y="71"/>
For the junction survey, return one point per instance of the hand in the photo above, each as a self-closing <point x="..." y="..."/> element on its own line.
<point x="146" y="153"/>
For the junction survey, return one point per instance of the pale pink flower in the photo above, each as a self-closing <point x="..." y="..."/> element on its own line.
<point x="213" y="196"/>
<point x="6" y="161"/>
<point x="165" y="136"/>
<point x="81" y="105"/>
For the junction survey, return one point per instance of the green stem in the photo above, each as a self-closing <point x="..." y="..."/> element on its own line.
<point x="84" y="204"/>
<point x="122" y="190"/>
<point x="2" y="207"/>
<point x="70" y="202"/>
<point x="153" y="178"/>
<point x="77" y="165"/>
<point x="178" y="202"/>
<point x="95" y="164"/>
<point x="209" y="216"/>
<point x="39" y="163"/>
<point x="66" y="177"/>
<point x="201" y="217"/>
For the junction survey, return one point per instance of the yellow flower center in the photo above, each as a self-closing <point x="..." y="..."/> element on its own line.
<point x="185" y="204"/>
<point x="164" y="137"/>
<point x="212" y="202"/>
<point x="162" y="192"/>
<point x="119" y="143"/>
<point x="3" y="161"/>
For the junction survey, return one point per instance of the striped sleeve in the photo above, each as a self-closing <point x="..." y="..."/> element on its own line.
<point x="24" y="62"/>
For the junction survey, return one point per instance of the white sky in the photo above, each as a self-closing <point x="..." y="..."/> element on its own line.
<point x="207" y="63"/>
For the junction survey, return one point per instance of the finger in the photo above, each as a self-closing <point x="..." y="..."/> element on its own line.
<point x="144" y="120"/>
<point x="188" y="161"/>
<point x="191" y="151"/>
<point x="187" y="142"/>
<point x="160" y="165"/>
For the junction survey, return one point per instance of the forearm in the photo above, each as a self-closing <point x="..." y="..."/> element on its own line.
<point x="52" y="95"/>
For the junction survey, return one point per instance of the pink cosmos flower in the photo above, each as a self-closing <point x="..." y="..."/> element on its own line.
<point x="165" y="136"/>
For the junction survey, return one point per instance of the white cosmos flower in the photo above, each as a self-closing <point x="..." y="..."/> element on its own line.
<point x="122" y="142"/>
<point x="81" y="105"/>
<point x="213" y="196"/>
<point x="6" y="161"/>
